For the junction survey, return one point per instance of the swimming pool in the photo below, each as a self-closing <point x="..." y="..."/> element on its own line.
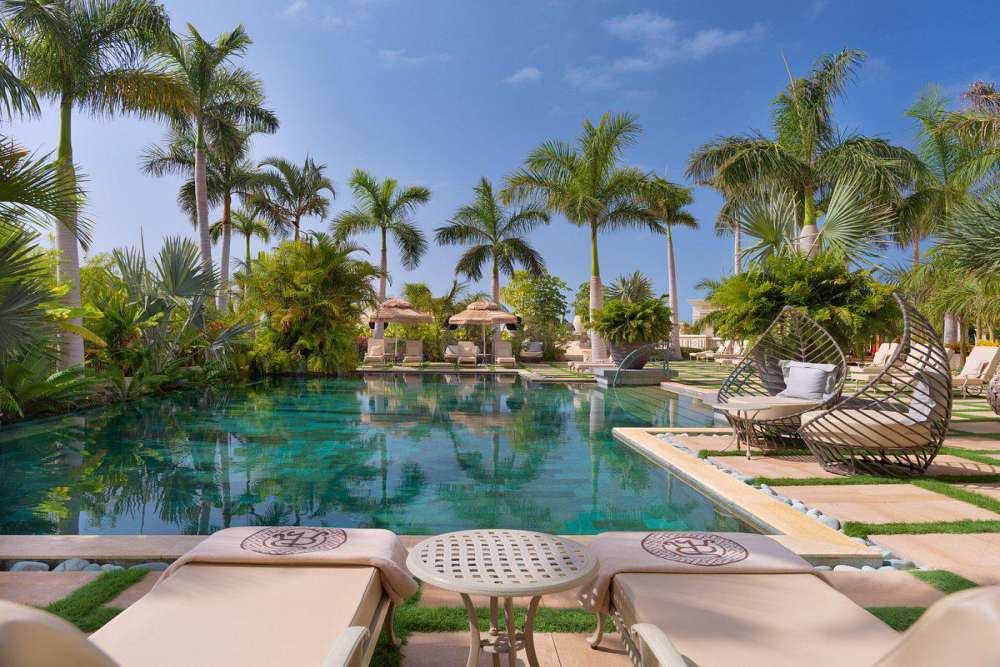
<point x="417" y="454"/>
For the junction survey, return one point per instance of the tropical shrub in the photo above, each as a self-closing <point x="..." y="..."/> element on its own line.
<point x="621" y="321"/>
<point x="30" y="385"/>
<point x="635" y="286"/>
<point x="310" y="296"/>
<point x="851" y="305"/>
<point x="540" y="300"/>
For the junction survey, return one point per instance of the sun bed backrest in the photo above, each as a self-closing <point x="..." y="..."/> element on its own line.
<point x="960" y="629"/>
<point x="414" y="348"/>
<point x="376" y="347"/>
<point x="467" y="348"/>
<point x="451" y="350"/>
<point x="981" y="362"/>
<point x="34" y="638"/>
<point x="882" y="354"/>
<point x="503" y="349"/>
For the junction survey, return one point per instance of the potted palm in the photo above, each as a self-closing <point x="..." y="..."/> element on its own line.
<point x="629" y="326"/>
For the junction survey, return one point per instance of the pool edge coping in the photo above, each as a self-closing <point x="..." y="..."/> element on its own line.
<point x="817" y="543"/>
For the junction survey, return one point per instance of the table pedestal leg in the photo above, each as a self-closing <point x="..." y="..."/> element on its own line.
<point x="475" y="645"/>
<point x="508" y="610"/>
<point x="494" y="631"/>
<point x="529" y="632"/>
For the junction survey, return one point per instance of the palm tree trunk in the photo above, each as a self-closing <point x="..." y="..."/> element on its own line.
<point x="247" y="257"/>
<point x="916" y="251"/>
<point x="201" y="199"/>
<point x="675" y="329"/>
<point x="384" y="265"/>
<point x="496" y="298"/>
<point x="737" y="248"/>
<point x="809" y="234"/>
<point x="598" y="351"/>
<point x="227" y="232"/>
<point x="70" y="344"/>
<point x="298" y="221"/>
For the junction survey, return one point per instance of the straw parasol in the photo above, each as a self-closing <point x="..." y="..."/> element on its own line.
<point x="401" y="312"/>
<point x="484" y="312"/>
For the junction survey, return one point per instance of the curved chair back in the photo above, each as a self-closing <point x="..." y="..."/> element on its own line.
<point x="896" y="423"/>
<point x="793" y="336"/>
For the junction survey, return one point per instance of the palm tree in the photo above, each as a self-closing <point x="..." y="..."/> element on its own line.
<point x="588" y="185"/>
<point x="248" y="225"/>
<point x="496" y="236"/>
<point x="952" y="170"/>
<point x="91" y="55"/>
<point x="666" y="201"/>
<point x="228" y="174"/>
<point x="223" y="98"/>
<point x="808" y="154"/>
<point x="634" y="288"/>
<point x="385" y="207"/>
<point x="287" y="192"/>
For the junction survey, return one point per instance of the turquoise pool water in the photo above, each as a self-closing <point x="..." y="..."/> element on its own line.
<point x="415" y="454"/>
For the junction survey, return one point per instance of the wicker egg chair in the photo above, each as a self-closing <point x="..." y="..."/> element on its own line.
<point x="749" y="396"/>
<point x="895" y="424"/>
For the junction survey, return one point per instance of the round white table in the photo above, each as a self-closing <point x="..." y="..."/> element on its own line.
<point x="501" y="564"/>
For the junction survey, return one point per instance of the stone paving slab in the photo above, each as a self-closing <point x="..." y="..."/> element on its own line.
<point x="974" y="556"/>
<point x="972" y="442"/>
<point x="132" y="594"/>
<point x="99" y="547"/>
<point x="443" y="649"/>
<point x="992" y="489"/>
<point x="39" y="589"/>
<point x="947" y="464"/>
<point x="884" y="589"/>
<point x="885" y="503"/>
<point x="991" y="426"/>
<point x="788" y="467"/>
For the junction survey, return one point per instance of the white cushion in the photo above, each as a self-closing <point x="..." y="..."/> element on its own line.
<point x="807" y="380"/>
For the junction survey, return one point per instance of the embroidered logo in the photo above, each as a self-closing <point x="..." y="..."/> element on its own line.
<point x="704" y="549"/>
<point x="293" y="540"/>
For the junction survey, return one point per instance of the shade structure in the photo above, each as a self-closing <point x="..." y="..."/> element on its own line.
<point x="483" y="312"/>
<point x="400" y="311"/>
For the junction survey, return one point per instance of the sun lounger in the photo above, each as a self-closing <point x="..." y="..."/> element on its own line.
<point x="451" y="353"/>
<point x="576" y="352"/>
<point x="683" y="599"/>
<point x="468" y="353"/>
<point x="531" y="351"/>
<point x="247" y="597"/>
<point x="980" y="367"/>
<point x="414" y="353"/>
<point x="504" y="354"/>
<point x="376" y="353"/>
<point x="730" y="352"/>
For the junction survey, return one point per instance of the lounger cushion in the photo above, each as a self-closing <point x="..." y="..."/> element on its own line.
<point x="33" y="638"/>
<point x="867" y="428"/>
<point x="751" y="620"/>
<point x="242" y="615"/>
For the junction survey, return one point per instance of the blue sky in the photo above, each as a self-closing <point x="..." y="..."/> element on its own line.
<point x="441" y="92"/>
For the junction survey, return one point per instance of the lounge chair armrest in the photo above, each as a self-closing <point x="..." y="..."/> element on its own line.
<point x="348" y="648"/>
<point x="655" y="647"/>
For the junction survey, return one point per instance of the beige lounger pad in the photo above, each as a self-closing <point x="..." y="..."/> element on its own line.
<point x="223" y="615"/>
<point x="754" y="620"/>
<point x="865" y="428"/>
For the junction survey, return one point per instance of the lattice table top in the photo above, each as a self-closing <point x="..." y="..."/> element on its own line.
<point x="501" y="563"/>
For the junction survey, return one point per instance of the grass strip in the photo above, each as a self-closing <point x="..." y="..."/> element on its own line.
<point x="978" y="457"/>
<point x="958" y="493"/>
<point x="943" y="580"/>
<point x="989" y="478"/>
<point x="897" y="618"/>
<point x="84" y="606"/>
<point x="455" y="619"/>
<point x="859" y="529"/>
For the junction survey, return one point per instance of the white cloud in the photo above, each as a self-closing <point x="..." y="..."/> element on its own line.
<point x="659" y="41"/>
<point x="399" y="57"/>
<point x="524" y="75"/>
<point x="296" y="7"/>
<point x="349" y="15"/>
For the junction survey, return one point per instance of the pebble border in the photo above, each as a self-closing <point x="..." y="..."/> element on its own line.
<point x="890" y="561"/>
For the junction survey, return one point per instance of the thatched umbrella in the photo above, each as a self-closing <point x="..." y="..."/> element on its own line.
<point x="484" y="312"/>
<point x="399" y="311"/>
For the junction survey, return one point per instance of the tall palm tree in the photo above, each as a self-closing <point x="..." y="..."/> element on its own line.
<point x="667" y="202"/>
<point x="808" y="155"/>
<point x="224" y="97"/>
<point x="385" y="207"/>
<point x="228" y="174"/>
<point x="587" y="184"/>
<point x="496" y="237"/>
<point x="953" y="169"/>
<point x="286" y="193"/>
<point x="93" y="56"/>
